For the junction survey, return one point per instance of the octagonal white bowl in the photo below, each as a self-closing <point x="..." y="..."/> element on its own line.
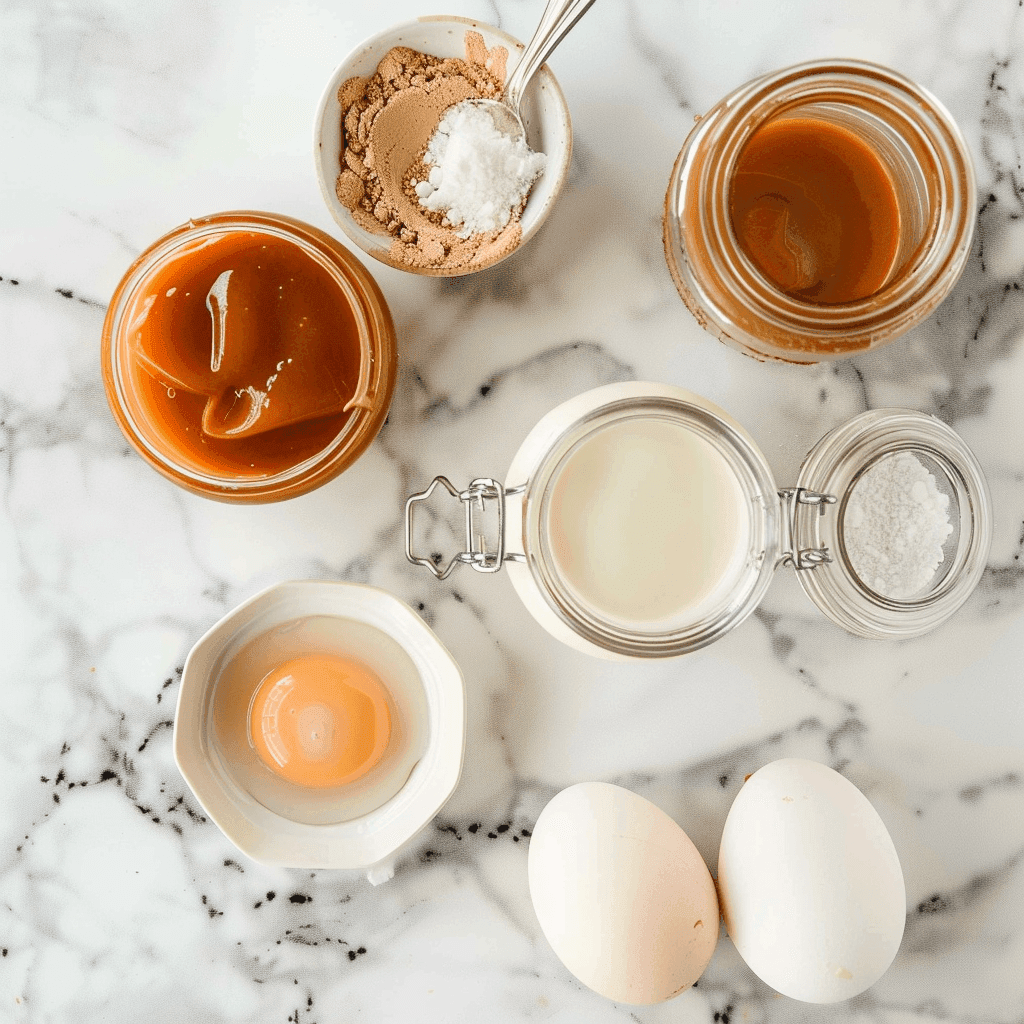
<point x="372" y="841"/>
<point x="545" y="114"/>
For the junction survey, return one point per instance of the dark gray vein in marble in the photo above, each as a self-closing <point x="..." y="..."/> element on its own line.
<point x="663" y="62"/>
<point x="784" y="645"/>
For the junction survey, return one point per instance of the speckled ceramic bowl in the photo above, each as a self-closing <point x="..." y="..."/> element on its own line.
<point x="545" y="114"/>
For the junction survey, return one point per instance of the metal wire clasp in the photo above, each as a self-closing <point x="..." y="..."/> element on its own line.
<point x="791" y="551"/>
<point x="474" y="498"/>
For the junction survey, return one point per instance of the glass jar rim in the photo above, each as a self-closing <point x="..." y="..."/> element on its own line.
<point x="357" y="289"/>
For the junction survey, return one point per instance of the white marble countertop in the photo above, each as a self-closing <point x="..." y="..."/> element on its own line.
<point x="119" y="901"/>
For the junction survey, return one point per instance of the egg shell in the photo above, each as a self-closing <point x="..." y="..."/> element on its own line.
<point x="621" y="893"/>
<point x="811" y="887"/>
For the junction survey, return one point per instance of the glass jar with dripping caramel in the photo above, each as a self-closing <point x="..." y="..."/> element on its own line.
<point x="248" y="357"/>
<point x="819" y="211"/>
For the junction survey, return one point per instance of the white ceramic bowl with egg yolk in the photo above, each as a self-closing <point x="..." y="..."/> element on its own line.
<point x="371" y="841"/>
<point x="544" y="110"/>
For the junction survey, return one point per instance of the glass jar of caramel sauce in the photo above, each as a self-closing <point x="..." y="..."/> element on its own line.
<point x="819" y="211"/>
<point x="248" y="357"/>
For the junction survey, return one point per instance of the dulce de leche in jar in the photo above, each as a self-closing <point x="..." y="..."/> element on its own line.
<point x="819" y="211"/>
<point x="248" y="357"/>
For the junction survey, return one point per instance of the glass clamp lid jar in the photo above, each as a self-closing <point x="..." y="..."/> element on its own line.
<point x="639" y="520"/>
<point x="861" y="225"/>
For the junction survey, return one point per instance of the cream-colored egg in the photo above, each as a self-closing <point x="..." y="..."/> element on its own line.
<point x="811" y="888"/>
<point x="622" y="895"/>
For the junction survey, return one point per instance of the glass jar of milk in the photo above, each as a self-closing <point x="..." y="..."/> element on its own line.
<point x="639" y="520"/>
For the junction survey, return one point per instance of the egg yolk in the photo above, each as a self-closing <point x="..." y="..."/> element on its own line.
<point x="320" y="721"/>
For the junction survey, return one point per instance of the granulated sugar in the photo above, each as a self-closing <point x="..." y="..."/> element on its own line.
<point x="478" y="176"/>
<point x="896" y="523"/>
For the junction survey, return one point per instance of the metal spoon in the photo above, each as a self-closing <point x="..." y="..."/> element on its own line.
<point x="559" y="16"/>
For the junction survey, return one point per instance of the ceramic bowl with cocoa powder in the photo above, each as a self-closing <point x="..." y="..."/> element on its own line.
<point x="548" y="131"/>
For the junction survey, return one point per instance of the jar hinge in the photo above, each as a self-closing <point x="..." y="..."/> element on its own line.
<point x="475" y="498"/>
<point x="792" y="551"/>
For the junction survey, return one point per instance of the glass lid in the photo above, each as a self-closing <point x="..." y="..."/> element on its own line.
<point x="910" y="530"/>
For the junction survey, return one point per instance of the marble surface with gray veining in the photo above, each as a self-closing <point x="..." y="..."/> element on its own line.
<point x="119" y="900"/>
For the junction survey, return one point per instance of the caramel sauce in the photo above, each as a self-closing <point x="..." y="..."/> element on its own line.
<point x="815" y="210"/>
<point x="244" y="354"/>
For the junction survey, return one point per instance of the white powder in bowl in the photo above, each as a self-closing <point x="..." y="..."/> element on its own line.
<point x="478" y="176"/>
<point x="896" y="523"/>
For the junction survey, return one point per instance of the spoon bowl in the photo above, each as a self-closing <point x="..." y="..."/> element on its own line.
<point x="558" y="18"/>
<point x="506" y="120"/>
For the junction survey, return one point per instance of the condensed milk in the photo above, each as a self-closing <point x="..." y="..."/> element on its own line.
<point x="647" y="521"/>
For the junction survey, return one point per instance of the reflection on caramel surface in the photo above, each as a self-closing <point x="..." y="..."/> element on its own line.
<point x="244" y="354"/>
<point x="815" y="210"/>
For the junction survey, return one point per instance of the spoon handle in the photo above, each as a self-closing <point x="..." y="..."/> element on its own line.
<point x="559" y="16"/>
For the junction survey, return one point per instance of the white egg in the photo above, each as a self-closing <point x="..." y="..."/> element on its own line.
<point x="622" y="895"/>
<point x="811" y="888"/>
